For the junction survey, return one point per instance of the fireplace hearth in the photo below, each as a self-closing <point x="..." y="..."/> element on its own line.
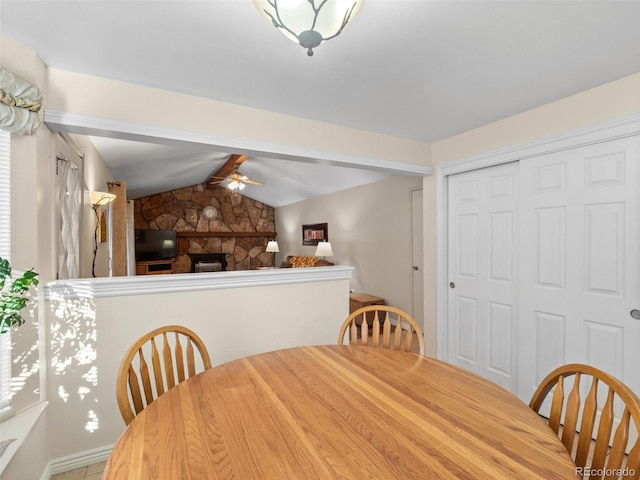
<point x="208" y="262"/>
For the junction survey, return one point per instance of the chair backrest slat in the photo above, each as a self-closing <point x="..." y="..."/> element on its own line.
<point x="604" y="433"/>
<point x="408" y="340"/>
<point x="557" y="403"/>
<point x="180" y="360"/>
<point x="138" y="378"/>
<point x="143" y="368"/>
<point x="167" y="358"/>
<point x="633" y="461"/>
<point x="354" y="334"/>
<point x="191" y="362"/>
<point x="364" y="329"/>
<point x="571" y="416"/>
<point x="621" y="438"/>
<point x="157" y="369"/>
<point x="375" y="329"/>
<point x="397" y="339"/>
<point x="382" y="326"/>
<point x="134" y="386"/>
<point x="609" y="458"/>
<point x="588" y="422"/>
<point x="386" y="332"/>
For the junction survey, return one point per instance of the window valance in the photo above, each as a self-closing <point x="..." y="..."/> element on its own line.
<point x="20" y="102"/>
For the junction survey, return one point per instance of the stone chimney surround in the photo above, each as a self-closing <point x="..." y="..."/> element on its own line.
<point x="239" y="228"/>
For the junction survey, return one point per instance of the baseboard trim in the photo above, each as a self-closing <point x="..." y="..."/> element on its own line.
<point x="78" y="460"/>
<point x="46" y="475"/>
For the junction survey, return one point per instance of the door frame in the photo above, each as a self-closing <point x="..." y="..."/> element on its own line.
<point x="420" y="300"/>
<point x="610" y="130"/>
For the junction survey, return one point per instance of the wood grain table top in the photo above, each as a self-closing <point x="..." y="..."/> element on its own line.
<point x="328" y="412"/>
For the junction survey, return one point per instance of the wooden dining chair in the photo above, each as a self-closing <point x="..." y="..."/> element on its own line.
<point x="605" y="395"/>
<point x="377" y="325"/>
<point x="155" y="363"/>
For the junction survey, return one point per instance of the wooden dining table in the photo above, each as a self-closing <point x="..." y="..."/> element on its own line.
<point x="328" y="412"/>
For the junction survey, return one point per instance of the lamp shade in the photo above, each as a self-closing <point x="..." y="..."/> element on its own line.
<point x="101" y="198"/>
<point x="272" y="246"/>
<point x="324" y="249"/>
<point x="308" y="22"/>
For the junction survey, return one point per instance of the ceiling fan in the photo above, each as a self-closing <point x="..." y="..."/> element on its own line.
<point x="229" y="173"/>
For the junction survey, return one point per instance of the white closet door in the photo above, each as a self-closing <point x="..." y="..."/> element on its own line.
<point x="482" y="272"/>
<point x="580" y="269"/>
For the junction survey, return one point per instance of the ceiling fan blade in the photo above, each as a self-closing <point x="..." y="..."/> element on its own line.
<point x="234" y="175"/>
<point x="216" y="180"/>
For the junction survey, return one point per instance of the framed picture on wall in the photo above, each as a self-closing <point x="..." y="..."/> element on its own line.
<point x="312" y="234"/>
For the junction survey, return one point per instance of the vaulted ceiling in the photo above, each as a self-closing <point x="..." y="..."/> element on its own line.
<point x="418" y="69"/>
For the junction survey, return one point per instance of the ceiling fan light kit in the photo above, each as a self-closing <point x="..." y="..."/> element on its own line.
<point x="309" y="22"/>
<point x="235" y="181"/>
<point x="235" y="185"/>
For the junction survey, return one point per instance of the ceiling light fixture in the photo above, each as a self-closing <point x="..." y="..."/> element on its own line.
<point x="309" y="22"/>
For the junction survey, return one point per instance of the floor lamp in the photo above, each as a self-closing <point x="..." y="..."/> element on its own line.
<point x="98" y="199"/>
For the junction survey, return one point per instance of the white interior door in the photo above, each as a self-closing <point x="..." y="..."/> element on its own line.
<point x="482" y="300"/>
<point x="580" y="275"/>
<point x="417" y="279"/>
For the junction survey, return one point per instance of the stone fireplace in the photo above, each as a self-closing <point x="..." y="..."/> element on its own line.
<point x="233" y="238"/>
<point x="208" y="262"/>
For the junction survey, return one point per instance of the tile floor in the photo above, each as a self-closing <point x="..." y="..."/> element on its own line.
<point x="91" y="472"/>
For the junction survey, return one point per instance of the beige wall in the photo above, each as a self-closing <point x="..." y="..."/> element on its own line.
<point x="90" y="336"/>
<point x="108" y="99"/>
<point x="118" y="320"/>
<point x="608" y="101"/>
<point x="30" y="461"/>
<point x="369" y="229"/>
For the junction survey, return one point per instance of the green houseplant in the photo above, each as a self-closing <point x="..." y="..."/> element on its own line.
<point x="13" y="295"/>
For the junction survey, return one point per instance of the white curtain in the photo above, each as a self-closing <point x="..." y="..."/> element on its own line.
<point x="69" y="199"/>
<point x="131" y="240"/>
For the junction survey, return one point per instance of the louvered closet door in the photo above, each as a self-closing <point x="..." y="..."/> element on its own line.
<point x="482" y="274"/>
<point x="580" y="263"/>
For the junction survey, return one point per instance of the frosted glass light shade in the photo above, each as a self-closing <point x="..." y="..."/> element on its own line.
<point x="324" y="249"/>
<point x="309" y="22"/>
<point x="235" y="185"/>
<point x="101" y="198"/>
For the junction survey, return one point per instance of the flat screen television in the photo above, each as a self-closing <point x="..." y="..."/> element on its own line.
<point x="156" y="245"/>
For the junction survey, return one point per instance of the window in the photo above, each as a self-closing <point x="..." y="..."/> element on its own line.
<point x="5" y="250"/>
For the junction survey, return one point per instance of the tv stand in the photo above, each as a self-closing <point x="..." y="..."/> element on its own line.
<point x="154" y="267"/>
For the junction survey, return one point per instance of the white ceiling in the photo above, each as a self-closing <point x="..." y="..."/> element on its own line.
<point x="418" y="69"/>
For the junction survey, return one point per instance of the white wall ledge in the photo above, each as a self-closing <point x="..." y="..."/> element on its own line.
<point x="188" y="282"/>
<point x="18" y="426"/>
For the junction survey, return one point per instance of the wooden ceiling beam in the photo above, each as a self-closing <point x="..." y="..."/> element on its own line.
<point x="230" y="165"/>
